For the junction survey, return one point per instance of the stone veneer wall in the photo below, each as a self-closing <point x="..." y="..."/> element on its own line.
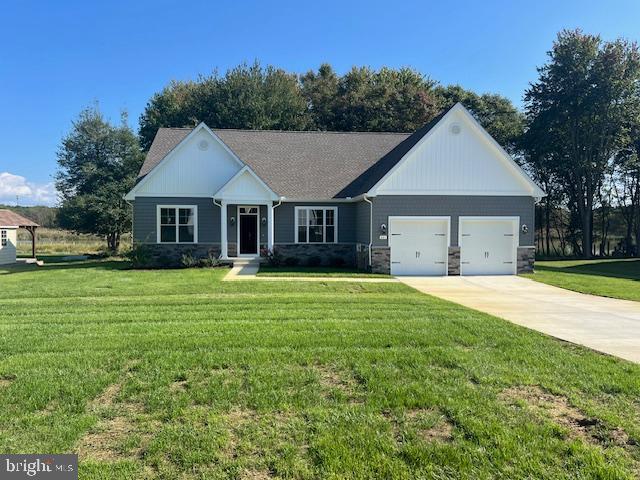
<point x="325" y="251"/>
<point x="526" y="259"/>
<point x="170" y="255"/>
<point x="362" y="256"/>
<point x="381" y="260"/>
<point x="453" y="268"/>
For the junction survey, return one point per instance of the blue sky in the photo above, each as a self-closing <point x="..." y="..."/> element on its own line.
<point x="58" y="57"/>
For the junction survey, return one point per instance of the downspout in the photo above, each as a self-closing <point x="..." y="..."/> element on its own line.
<point x="370" y="226"/>
<point x="273" y="218"/>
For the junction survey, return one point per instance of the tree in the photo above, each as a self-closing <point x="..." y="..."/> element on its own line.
<point x="247" y="96"/>
<point x="579" y="105"/>
<point x="626" y="186"/>
<point x="97" y="166"/>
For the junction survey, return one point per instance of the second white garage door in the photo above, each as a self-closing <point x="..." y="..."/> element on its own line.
<point x="419" y="245"/>
<point x="488" y="245"/>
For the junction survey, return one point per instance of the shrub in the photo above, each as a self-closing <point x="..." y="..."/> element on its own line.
<point x="210" y="261"/>
<point x="314" y="261"/>
<point x="274" y="257"/>
<point x="337" y="262"/>
<point x="291" y="261"/>
<point x="139" y="256"/>
<point x="188" y="260"/>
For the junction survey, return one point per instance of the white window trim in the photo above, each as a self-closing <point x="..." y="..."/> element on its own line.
<point x="195" y="224"/>
<point x="324" y="223"/>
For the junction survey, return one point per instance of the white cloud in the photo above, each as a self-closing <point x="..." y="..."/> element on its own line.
<point x="29" y="193"/>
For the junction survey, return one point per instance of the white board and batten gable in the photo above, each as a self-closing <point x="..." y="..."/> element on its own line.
<point x="246" y="186"/>
<point x="457" y="157"/>
<point x="198" y="166"/>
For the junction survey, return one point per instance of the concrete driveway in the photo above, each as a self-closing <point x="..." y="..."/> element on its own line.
<point x="604" y="324"/>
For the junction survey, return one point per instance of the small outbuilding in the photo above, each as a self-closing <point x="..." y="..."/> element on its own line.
<point x="10" y="222"/>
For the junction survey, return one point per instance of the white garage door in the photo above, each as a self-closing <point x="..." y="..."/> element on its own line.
<point x="419" y="245"/>
<point x="488" y="245"/>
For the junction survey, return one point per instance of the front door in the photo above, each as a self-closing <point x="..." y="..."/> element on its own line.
<point x="248" y="226"/>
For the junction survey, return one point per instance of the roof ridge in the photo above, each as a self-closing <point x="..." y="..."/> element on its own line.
<point x="332" y="132"/>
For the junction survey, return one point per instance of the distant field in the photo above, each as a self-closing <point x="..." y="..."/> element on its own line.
<point x="58" y="241"/>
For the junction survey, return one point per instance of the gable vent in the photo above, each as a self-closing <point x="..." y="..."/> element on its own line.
<point x="203" y="145"/>
<point x="455" y="128"/>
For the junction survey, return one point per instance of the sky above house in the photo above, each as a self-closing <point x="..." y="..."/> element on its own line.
<point x="58" y="57"/>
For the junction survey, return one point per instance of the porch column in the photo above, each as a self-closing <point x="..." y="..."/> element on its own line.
<point x="270" y="225"/>
<point x="223" y="229"/>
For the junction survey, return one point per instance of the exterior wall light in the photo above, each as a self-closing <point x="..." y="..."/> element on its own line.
<point x="383" y="229"/>
<point x="232" y="220"/>
<point x="525" y="229"/>
<point x="264" y="220"/>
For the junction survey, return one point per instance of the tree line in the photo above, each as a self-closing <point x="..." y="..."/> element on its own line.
<point x="578" y="135"/>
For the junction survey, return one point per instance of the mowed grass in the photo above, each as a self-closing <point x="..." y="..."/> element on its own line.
<point x="302" y="271"/>
<point x="176" y="374"/>
<point x="619" y="278"/>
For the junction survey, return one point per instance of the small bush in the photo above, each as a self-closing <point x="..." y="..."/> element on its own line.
<point x="291" y="261"/>
<point x="139" y="256"/>
<point x="188" y="260"/>
<point x="337" y="262"/>
<point x="274" y="257"/>
<point x="210" y="261"/>
<point x="314" y="261"/>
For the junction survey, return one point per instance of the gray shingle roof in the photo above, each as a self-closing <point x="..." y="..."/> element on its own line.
<point x="306" y="165"/>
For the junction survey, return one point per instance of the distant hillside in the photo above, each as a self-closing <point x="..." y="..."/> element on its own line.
<point x="43" y="216"/>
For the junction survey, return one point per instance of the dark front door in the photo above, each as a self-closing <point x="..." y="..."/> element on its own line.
<point x="248" y="234"/>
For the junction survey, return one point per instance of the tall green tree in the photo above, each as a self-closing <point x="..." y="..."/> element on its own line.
<point x="580" y="105"/>
<point x="247" y="96"/>
<point x="97" y="165"/>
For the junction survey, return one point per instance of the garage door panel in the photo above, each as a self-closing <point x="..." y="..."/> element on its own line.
<point x="419" y="246"/>
<point x="488" y="246"/>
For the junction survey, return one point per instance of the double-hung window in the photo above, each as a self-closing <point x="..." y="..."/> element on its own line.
<point x="177" y="224"/>
<point x="316" y="224"/>
<point x="3" y="238"/>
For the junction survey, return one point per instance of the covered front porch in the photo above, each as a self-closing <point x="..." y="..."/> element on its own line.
<point x="246" y="216"/>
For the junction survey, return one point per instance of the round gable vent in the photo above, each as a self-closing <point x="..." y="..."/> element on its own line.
<point x="455" y="128"/>
<point x="203" y="145"/>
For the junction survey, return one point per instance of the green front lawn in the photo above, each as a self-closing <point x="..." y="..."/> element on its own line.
<point x="608" y="278"/>
<point x="284" y="271"/>
<point x="176" y="374"/>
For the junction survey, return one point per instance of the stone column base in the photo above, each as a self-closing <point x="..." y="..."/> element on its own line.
<point x="381" y="260"/>
<point x="526" y="259"/>
<point x="453" y="267"/>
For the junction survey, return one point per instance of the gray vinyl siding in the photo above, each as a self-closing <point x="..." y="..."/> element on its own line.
<point x="385" y="206"/>
<point x="363" y="224"/>
<point x="284" y="218"/>
<point x="145" y="217"/>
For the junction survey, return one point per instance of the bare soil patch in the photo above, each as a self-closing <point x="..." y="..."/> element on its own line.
<point x="117" y="435"/>
<point x="430" y="425"/>
<point x="559" y="410"/>
<point x="331" y="380"/>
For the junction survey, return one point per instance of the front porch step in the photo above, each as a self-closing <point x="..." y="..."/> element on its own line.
<point x="245" y="266"/>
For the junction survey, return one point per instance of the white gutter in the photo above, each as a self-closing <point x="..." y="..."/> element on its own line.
<point x="364" y="197"/>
